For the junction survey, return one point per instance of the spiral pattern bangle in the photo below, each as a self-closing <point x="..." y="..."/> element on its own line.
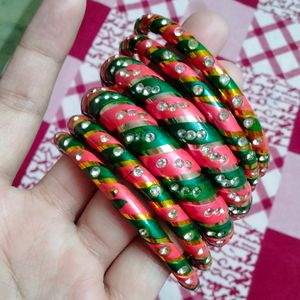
<point x="136" y="174"/>
<point x="163" y="156"/>
<point x="167" y="105"/>
<point x="214" y="73"/>
<point x="131" y="209"/>
<point x="197" y="91"/>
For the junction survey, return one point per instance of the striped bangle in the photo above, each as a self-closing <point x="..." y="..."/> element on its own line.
<point x="131" y="169"/>
<point x="167" y="105"/>
<point x="163" y="156"/>
<point x="215" y="74"/>
<point x="131" y="209"/>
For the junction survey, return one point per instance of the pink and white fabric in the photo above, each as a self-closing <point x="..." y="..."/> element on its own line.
<point x="262" y="261"/>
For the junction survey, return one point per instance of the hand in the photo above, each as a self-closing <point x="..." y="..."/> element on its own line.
<point x="62" y="240"/>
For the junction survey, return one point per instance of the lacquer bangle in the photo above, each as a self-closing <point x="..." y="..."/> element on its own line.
<point x="215" y="74"/>
<point x="131" y="209"/>
<point x="164" y="157"/>
<point x="178" y="115"/>
<point x="196" y="90"/>
<point x="131" y="169"/>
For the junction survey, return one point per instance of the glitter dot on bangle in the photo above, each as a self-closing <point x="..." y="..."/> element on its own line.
<point x="209" y="61"/>
<point x="173" y="213"/>
<point x="118" y="151"/>
<point x="161" y="163"/>
<point x="139" y="88"/>
<point x="190" y="135"/>
<point x="138" y="171"/>
<point x="248" y="122"/>
<point x="197" y="89"/>
<point x="104" y="138"/>
<point x="149" y="137"/>
<point x="237" y="101"/>
<point x="155" y="89"/>
<point x="223" y="115"/>
<point x="85" y="124"/>
<point x="257" y="141"/>
<point x="189" y="236"/>
<point x="155" y="191"/>
<point x="192" y="44"/>
<point x="201" y="134"/>
<point x="181" y="133"/>
<point x="78" y="156"/>
<point x="224" y="79"/>
<point x="162" y="106"/>
<point x="95" y="171"/>
<point x="242" y="141"/>
<point x="174" y="187"/>
<point x="180" y="68"/>
<point x="167" y="54"/>
<point x="129" y="138"/>
<point x="179" y="163"/>
<point x="144" y="232"/>
<point x="183" y="270"/>
<point x="164" y="250"/>
<point x="120" y="115"/>
<point x="178" y="31"/>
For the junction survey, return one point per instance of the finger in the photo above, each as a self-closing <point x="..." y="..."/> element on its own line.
<point x="67" y="188"/>
<point x="130" y="208"/>
<point x="103" y="230"/>
<point x="135" y="272"/>
<point x="28" y="81"/>
<point x="234" y="71"/>
<point x="209" y="28"/>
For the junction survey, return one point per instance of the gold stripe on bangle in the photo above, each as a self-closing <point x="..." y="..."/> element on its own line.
<point x="127" y="163"/>
<point x="159" y="150"/>
<point x="137" y="216"/>
<point x="144" y="185"/>
<point x="187" y="176"/>
<point x="184" y="119"/>
<point x="134" y="124"/>
<point x="165" y="203"/>
<point x="74" y="148"/>
<point x="108" y="107"/>
<point x="87" y="164"/>
<point x="105" y="180"/>
<point x="157" y="241"/>
<point x="188" y="79"/>
<point x="181" y="223"/>
<point x="162" y="96"/>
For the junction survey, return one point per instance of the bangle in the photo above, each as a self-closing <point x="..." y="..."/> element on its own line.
<point x="131" y="169"/>
<point x="215" y="74"/>
<point x="131" y="209"/>
<point x="165" y="159"/>
<point x="177" y="114"/>
<point x="198" y="92"/>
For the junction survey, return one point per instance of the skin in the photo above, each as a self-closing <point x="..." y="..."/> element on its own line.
<point x="62" y="240"/>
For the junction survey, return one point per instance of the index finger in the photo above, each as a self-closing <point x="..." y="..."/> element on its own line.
<point x="28" y="81"/>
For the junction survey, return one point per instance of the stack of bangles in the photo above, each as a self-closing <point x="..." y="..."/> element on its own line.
<point x="184" y="135"/>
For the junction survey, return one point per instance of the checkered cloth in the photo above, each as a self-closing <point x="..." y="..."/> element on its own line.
<point x="261" y="262"/>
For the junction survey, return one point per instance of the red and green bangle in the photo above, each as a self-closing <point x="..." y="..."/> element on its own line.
<point x="131" y="209"/>
<point x="180" y="116"/>
<point x="196" y="90"/>
<point x="215" y="74"/>
<point x="163" y="156"/>
<point x="136" y="174"/>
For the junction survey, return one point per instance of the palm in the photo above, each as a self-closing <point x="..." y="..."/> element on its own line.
<point x="38" y="245"/>
<point x="62" y="240"/>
